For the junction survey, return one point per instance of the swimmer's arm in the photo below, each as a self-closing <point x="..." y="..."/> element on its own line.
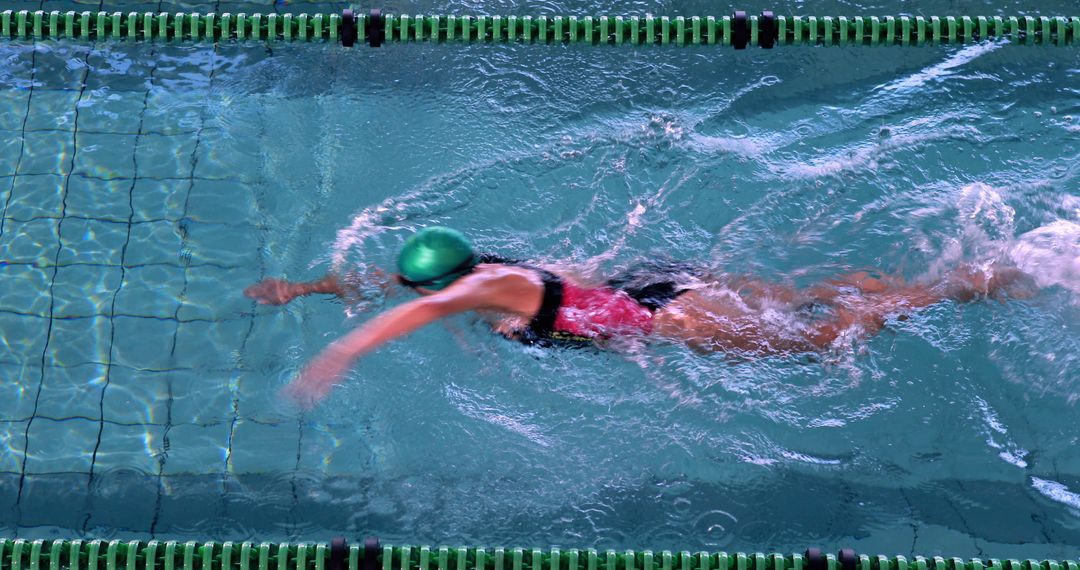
<point x="328" y="285"/>
<point x="341" y="285"/>
<point x="402" y="320"/>
<point x="319" y="376"/>
<point x="272" y="291"/>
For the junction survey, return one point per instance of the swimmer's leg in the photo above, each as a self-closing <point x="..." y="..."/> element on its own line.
<point x="707" y="324"/>
<point x="868" y="312"/>
<point x="754" y="290"/>
<point x="967" y="283"/>
<point x="713" y="324"/>
<point x="710" y="325"/>
<point x="271" y="291"/>
<point x="862" y="281"/>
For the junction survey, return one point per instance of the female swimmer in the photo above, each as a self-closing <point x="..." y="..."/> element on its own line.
<point x="669" y="301"/>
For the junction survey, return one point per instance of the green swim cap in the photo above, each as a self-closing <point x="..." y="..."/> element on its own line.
<point x="434" y="257"/>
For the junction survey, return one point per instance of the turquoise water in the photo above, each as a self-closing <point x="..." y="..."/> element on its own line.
<point x="144" y="186"/>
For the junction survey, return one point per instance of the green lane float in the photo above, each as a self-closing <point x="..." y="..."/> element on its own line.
<point x="739" y="30"/>
<point x="23" y="554"/>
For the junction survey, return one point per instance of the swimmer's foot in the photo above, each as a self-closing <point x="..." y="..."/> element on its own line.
<point x="272" y="291"/>
<point x="967" y="283"/>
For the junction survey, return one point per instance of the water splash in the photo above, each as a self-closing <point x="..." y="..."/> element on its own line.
<point x="1051" y="255"/>
<point x="1056" y="492"/>
<point x="943" y="70"/>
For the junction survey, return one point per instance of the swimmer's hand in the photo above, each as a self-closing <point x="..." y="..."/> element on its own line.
<point x="272" y="291"/>
<point x="317" y="378"/>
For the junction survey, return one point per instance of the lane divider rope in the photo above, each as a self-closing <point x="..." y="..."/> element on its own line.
<point x="23" y="554"/>
<point x="739" y="30"/>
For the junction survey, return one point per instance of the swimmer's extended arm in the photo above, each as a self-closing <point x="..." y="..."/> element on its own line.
<point x="319" y="376"/>
<point x="328" y="285"/>
<point x="272" y="291"/>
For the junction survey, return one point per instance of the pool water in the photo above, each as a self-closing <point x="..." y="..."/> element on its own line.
<point x="145" y="185"/>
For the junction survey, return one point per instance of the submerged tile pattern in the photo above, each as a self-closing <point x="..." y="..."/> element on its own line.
<point x="122" y="253"/>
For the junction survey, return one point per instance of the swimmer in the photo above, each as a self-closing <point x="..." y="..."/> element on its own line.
<point x="670" y="301"/>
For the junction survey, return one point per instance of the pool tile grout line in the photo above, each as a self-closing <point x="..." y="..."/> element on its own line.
<point x="133" y="222"/>
<point x="211" y="424"/>
<point x="115" y="294"/>
<point x="234" y="385"/>
<point x="52" y="284"/>
<point x="87" y="176"/>
<point x="92" y="132"/>
<point x="84" y="418"/>
<point x="182" y="227"/>
<point x="163" y="457"/>
<point x="262" y="228"/>
<point x="22" y="138"/>
<point x="129" y="266"/>
<point x="154" y="370"/>
<point x="239" y="316"/>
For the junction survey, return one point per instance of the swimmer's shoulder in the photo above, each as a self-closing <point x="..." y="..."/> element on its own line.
<point x="534" y="273"/>
<point x="514" y="289"/>
<point x="505" y="275"/>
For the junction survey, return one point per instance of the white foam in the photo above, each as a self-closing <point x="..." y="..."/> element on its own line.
<point x="943" y="70"/>
<point x="1050" y="254"/>
<point x="1056" y="492"/>
<point x="987" y="225"/>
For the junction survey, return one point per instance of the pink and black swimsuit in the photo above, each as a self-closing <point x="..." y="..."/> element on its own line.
<point x="624" y="306"/>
